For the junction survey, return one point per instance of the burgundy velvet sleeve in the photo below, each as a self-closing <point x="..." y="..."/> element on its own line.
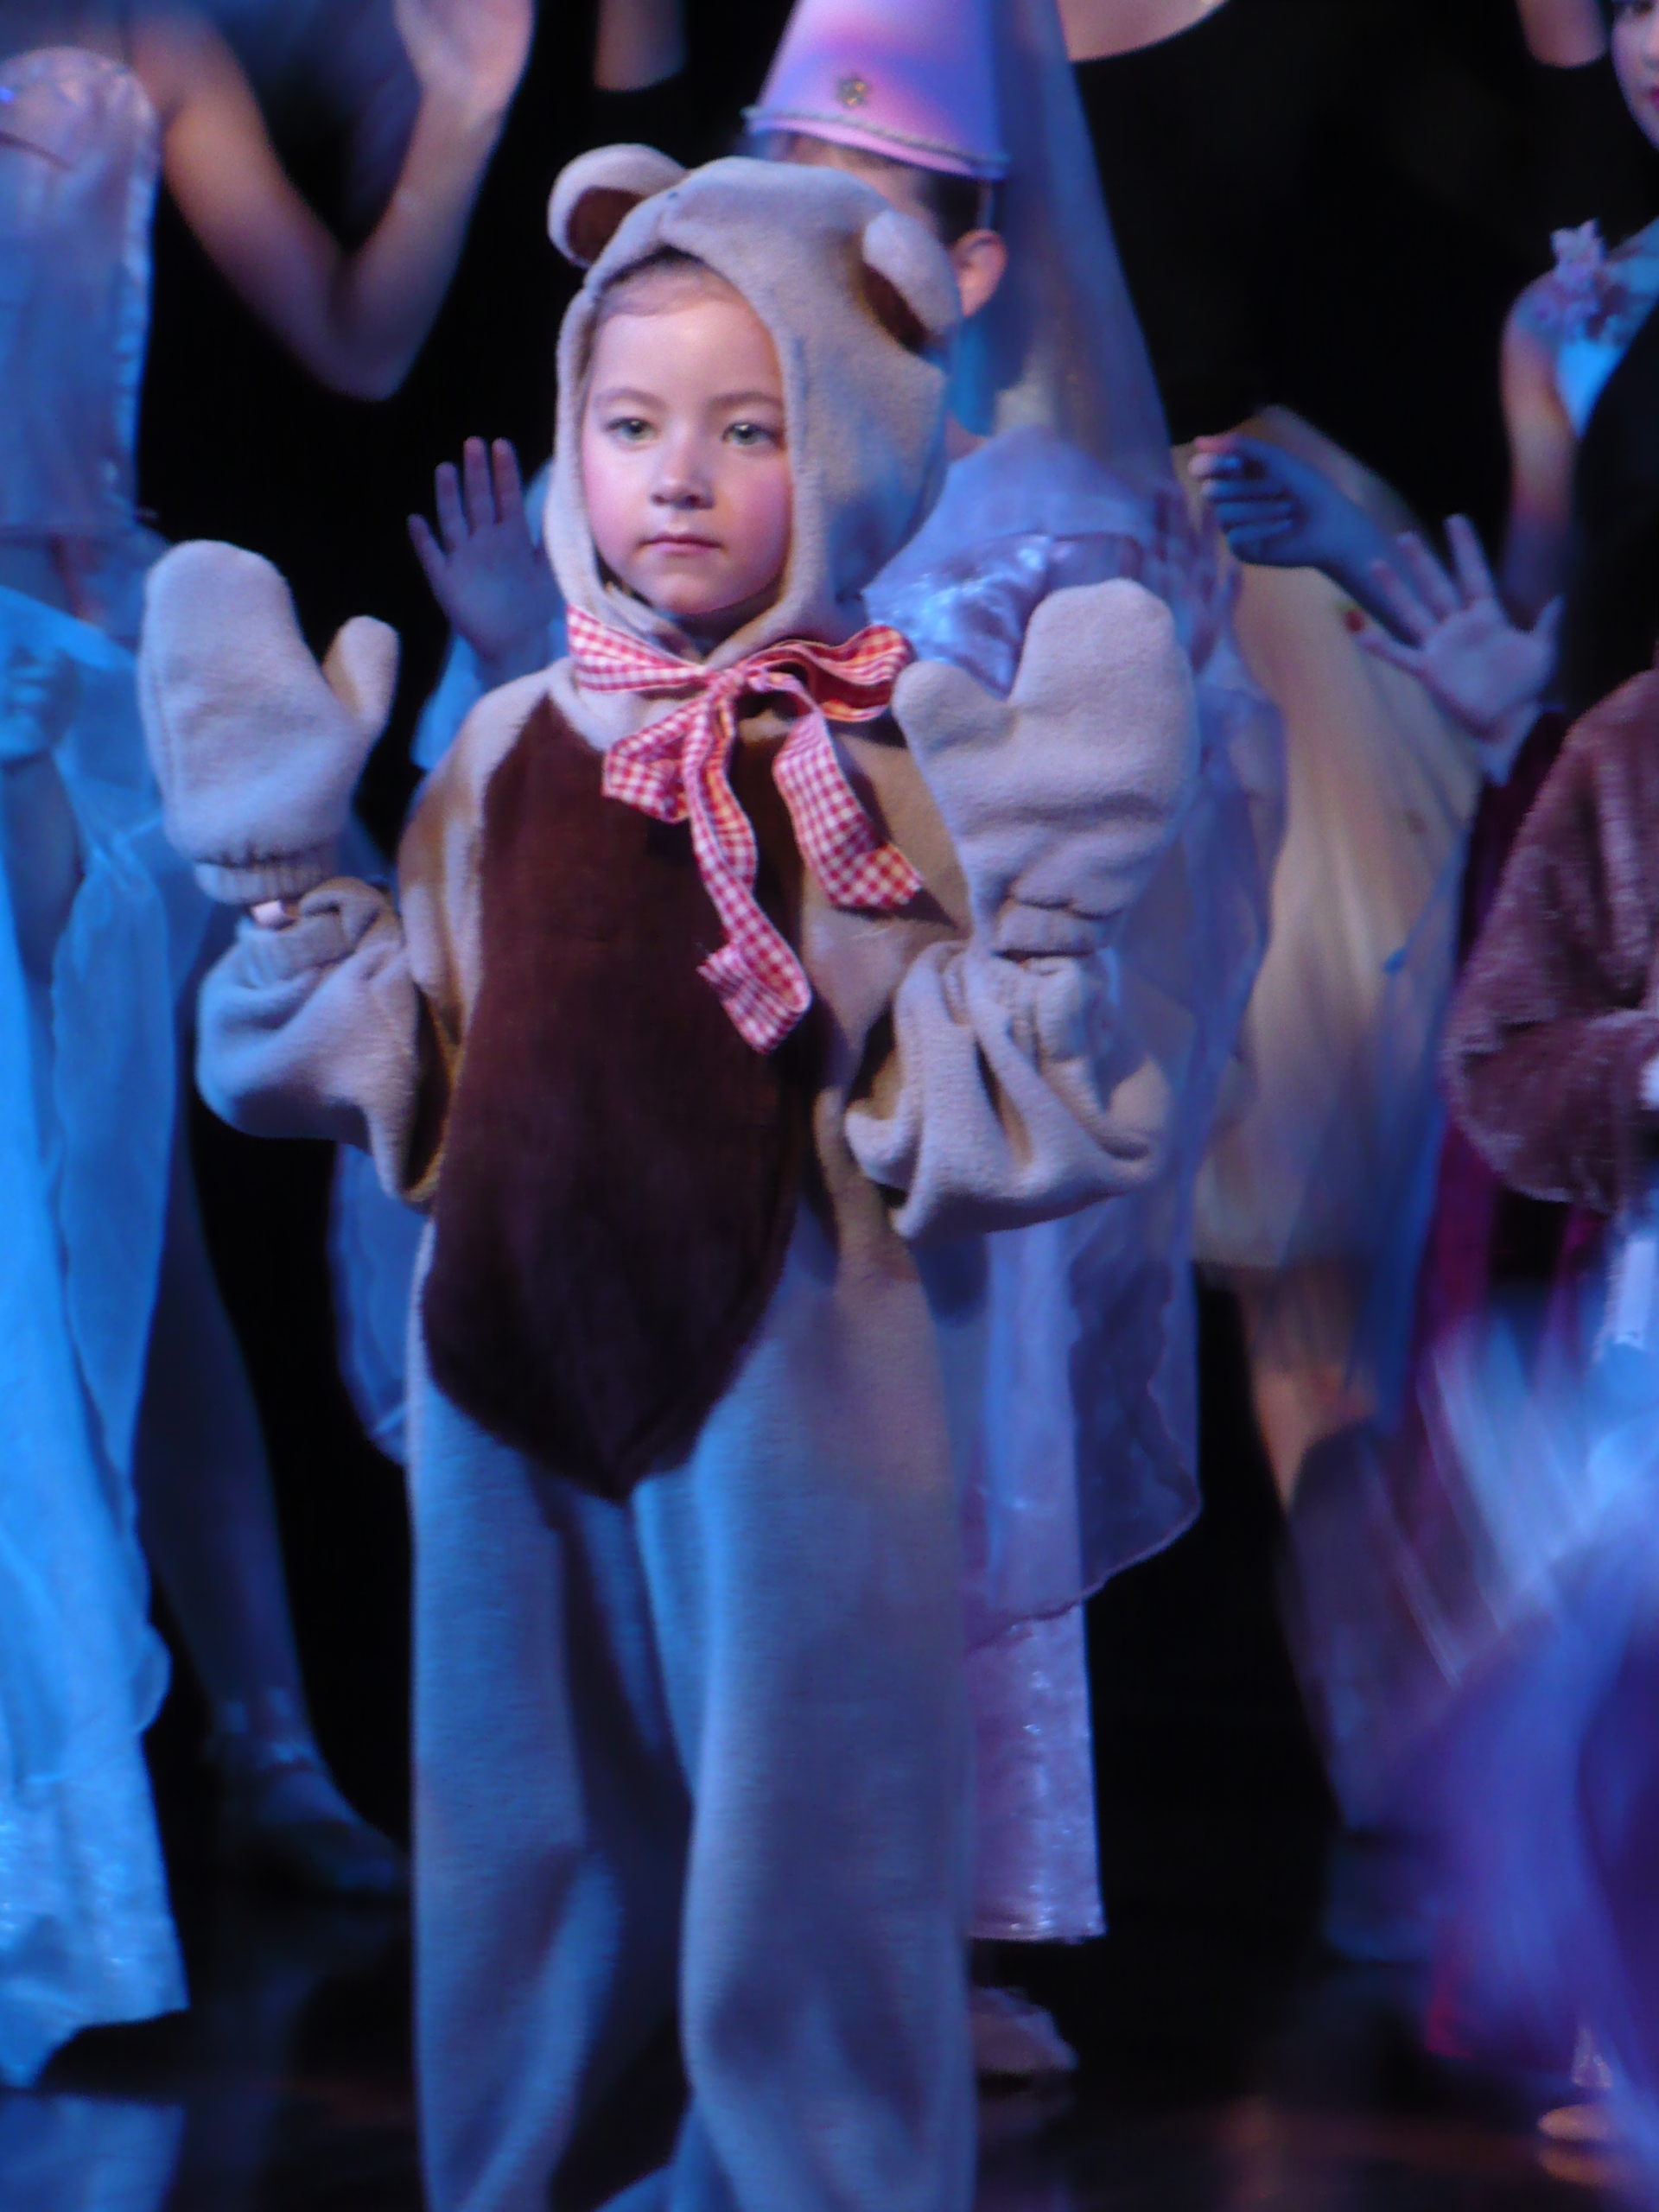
<point x="1551" y="1030"/>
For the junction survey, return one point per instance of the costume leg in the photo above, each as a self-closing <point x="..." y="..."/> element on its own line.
<point x="550" y="1820"/>
<point x="805" y="1581"/>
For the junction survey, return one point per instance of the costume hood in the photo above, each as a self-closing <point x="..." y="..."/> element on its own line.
<point x="861" y="302"/>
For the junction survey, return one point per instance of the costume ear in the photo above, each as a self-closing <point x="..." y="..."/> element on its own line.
<point x="910" y="281"/>
<point x="598" y="191"/>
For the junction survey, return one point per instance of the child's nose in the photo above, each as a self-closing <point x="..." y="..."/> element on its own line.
<point x="682" y="486"/>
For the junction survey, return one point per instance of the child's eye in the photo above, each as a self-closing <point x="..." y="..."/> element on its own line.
<point x="753" y="434"/>
<point x="631" y="430"/>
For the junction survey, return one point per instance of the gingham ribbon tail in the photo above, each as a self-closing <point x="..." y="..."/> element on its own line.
<point x="675" y="770"/>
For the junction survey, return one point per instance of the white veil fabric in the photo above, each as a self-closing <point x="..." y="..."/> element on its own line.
<point x="1082" y="1455"/>
<point x="1085" y="1460"/>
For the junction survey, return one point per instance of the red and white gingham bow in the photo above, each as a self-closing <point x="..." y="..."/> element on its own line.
<point x="676" y="770"/>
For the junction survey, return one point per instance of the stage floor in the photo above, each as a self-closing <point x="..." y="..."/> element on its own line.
<point x="1214" y="2081"/>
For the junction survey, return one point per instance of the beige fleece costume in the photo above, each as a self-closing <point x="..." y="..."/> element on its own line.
<point x="709" y="1740"/>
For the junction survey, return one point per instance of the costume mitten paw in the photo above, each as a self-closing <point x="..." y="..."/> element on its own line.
<point x="1060" y="799"/>
<point x="256" y="749"/>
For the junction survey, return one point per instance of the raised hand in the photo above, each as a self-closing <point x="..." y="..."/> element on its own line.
<point x="471" y="52"/>
<point x="1280" y="512"/>
<point x="1454" y="637"/>
<point x="486" y="571"/>
<point x="1060" y="798"/>
<point x="255" y="748"/>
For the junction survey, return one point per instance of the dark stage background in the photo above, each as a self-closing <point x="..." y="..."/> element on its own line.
<point x="1407" y="163"/>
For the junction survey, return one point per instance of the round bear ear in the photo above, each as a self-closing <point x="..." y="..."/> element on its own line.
<point x="910" y="282"/>
<point x="596" y="192"/>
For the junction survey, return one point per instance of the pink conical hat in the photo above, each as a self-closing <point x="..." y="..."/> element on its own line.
<point x="914" y="80"/>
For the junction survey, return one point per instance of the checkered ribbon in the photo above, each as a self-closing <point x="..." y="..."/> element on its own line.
<point x="676" y="770"/>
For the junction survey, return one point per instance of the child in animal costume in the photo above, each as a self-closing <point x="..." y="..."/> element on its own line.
<point x="733" y="992"/>
<point x="1083" y="1457"/>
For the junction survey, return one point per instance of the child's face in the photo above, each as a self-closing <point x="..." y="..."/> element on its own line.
<point x="979" y="256"/>
<point x="685" y="462"/>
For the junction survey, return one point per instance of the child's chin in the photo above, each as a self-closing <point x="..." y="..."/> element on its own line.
<point x="688" y="606"/>
<point x="699" y="609"/>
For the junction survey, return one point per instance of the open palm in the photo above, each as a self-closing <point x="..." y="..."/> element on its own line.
<point x="1456" y="638"/>
<point x="485" y="569"/>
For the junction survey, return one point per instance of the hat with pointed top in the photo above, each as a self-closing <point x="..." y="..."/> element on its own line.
<point x="914" y="80"/>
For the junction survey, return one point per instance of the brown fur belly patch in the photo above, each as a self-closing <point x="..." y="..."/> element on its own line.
<point x="620" y="1170"/>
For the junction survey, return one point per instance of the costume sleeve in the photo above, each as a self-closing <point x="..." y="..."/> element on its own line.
<point x="347" y="1025"/>
<point x="1014" y="1093"/>
<point x="1552" y="1029"/>
<point x="1020" y="1083"/>
<point x="319" y="1030"/>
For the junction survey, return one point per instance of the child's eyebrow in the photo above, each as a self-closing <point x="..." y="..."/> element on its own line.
<point x="746" y="399"/>
<point x="614" y="394"/>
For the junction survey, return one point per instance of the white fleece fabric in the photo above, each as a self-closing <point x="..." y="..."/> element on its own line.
<point x="256" y="749"/>
<point x="324" y="1037"/>
<point x="1016" y="1091"/>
